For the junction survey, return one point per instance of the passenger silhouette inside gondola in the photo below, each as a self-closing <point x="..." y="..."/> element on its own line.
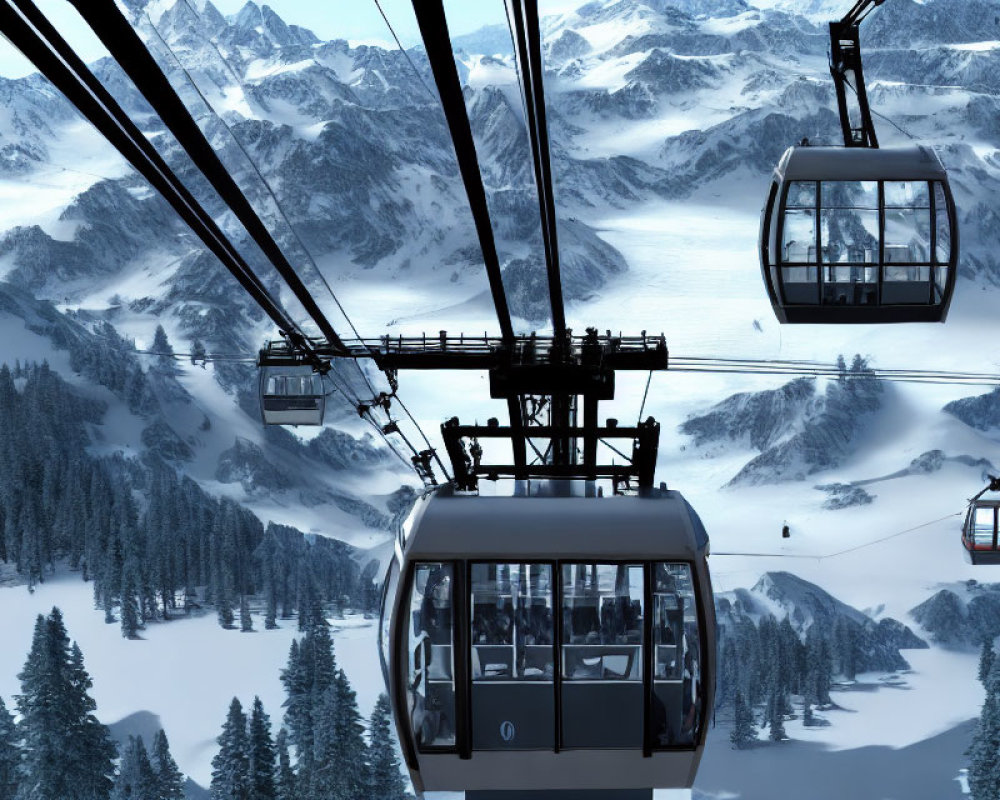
<point x="435" y="611"/>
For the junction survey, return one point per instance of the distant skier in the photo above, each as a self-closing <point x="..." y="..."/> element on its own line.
<point x="785" y="533"/>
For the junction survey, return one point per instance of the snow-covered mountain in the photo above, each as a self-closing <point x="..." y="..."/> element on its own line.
<point x="667" y="117"/>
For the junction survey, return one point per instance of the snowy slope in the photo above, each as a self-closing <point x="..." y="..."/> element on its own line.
<point x="184" y="672"/>
<point x="662" y="147"/>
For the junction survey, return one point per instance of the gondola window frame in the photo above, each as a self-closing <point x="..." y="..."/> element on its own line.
<point x="461" y="615"/>
<point x="941" y="218"/>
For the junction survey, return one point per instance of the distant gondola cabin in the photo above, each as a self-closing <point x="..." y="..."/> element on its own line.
<point x="979" y="534"/>
<point x="859" y="235"/>
<point x="291" y="396"/>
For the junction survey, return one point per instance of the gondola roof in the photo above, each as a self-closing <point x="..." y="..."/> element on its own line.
<point x="644" y="527"/>
<point x="912" y="163"/>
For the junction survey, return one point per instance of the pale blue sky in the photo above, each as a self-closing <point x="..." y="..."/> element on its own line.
<point x="329" y="19"/>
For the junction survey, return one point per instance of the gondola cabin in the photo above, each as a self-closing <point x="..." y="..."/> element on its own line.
<point x="859" y="235"/>
<point x="535" y="642"/>
<point x="979" y="533"/>
<point x="291" y="396"/>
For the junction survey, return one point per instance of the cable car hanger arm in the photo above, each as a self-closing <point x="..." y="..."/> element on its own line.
<point x="992" y="486"/>
<point x="845" y="67"/>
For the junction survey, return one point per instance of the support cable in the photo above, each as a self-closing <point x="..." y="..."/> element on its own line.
<point x="260" y="175"/>
<point x="437" y="42"/>
<point x="355" y="401"/>
<point x="853" y="549"/>
<point x="125" y="46"/>
<point x="725" y="366"/>
<point x="402" y="50"/>
<point x="28" y="30"/>
<point x="523" y="14"/>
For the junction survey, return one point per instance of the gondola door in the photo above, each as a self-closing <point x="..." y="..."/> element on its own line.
<point x="512" y="656"/>
<point x="602" y="656"/>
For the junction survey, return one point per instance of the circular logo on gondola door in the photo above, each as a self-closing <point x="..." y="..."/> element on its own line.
<point x="507" y="731"/>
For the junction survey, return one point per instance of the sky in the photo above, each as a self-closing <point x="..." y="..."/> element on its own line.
<point x="355" y="20"/>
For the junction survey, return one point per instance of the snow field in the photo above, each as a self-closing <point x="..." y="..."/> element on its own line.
<point x="184" y="671"/>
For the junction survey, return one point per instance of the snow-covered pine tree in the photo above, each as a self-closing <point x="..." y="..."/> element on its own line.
<point x="136" y="779"/>
<point x="383" y="764"/>
<point x="791" y="658"/>
<point x="91" y="739"/>
<point x="310" y="608"/>
<point x="318" y="771"/>
<point x="984" y="772"/>
<point x="284" y="777"/>
<point x="246" y="621"/>
<point x="819" y="667"/>
<point x="10" y="754"/>
<point x="986" y="658"/>
<point x="169" y="779"/>
<point x="311" y="671"/>
<point x="744" y="733"/>
<point x="775" y="713"/>
<point x="339" y="765"/>
<point x="845" y="640"/>
<point x="262" y="783"/>
<point x="352" y="752"/>
<point x="267" y="556"/>
<point x="231" y="765"/>
<point x="68" y="753"/>
<point x="298" y="706"/>
<point x="728" y="681"/>
<point x="131" y="617"/>
<point x="164" y="350"/>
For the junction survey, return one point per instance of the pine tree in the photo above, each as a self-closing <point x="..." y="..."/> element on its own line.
<point x="311" y="671"/>
<point x="319" y="774"/>
<point x="163" y="348"/>
<point x="819" y="667"/>
<point x="246" y="621"/>
<point x="136" y="779"/>
<point x="284" y="779"/>
<point x="68" y="754"/>
<point x="352" y="751"/>
<point x="386" y="779"/>
<point x="231" y="765"/>
<point x="10" y="754"/>
<point x="261" y="749"/>
<point x="131" y="617"/>
<point x="986" y="658"/>
<point x="743" y="734"/>
<point x="775" y="713"/>
<point x="169" y="780"/>
<point x="984" y="780"/>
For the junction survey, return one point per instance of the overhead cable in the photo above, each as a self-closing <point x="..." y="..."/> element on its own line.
<point x="855" y="548"/>
<point x="25" y="26"/>
<point x="437" y="42"/>
<point x="522" y="16"/>
<point x="402" y="50"/>
<point x="118" y="36"/>
<point x="260" y="175"/>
